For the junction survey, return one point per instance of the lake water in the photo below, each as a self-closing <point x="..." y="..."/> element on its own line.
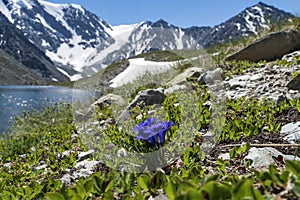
<point x="15" y="99"/>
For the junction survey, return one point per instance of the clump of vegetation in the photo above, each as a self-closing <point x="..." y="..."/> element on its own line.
<point x="37" y="139"/>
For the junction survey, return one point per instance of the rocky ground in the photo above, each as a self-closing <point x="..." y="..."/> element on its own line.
<point x="275" y="81"/>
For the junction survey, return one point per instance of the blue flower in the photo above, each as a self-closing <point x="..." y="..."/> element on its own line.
<point x="152" y="131"/>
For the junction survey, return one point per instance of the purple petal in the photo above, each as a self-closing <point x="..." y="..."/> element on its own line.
<point x="152" y="130"/>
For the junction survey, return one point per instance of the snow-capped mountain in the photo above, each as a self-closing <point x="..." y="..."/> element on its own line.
<point x="14" y="43"/>
<point x="67" y="33"/>
<point x="248" y="22"/>
<point x="144" y="37"/>
<point x="80" y="43"/>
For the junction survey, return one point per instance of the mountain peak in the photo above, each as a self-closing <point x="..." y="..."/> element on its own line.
<point x="262" y="4"/>
<point x="162" y="24"/>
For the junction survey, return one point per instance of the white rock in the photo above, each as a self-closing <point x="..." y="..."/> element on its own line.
<point x="263" y="157"/>
<point x="180" y="78"/>
<point x="256" y="77"/>
<point x="210" y="77"/>
<point x="66" y="178"/>
<point x="44" y="166"/>
<point x="87" y="164"/>
<point x="8" y="165"/>
<point x="121" y="152"/>
<point x="33" y="149"/>
<point x="174" y="88"/>
<point x="235" y="83"/>
<point x="291" y="132"/>
<point x="65" y="154"/>
<point x="225" y="156"/>
<point x="85" y="155"/>
<point x="23" y="156"/>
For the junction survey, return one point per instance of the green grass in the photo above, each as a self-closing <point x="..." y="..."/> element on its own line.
<point x="39" y="137"/>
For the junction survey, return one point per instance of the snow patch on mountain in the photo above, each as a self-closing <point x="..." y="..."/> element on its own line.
<point x="179" y="39"/>
<point x="138" y="67"/>
<point x="72" y="78"/>
<point x="255" y="18"/>
<point x="17" y="6"/>
<point x="122" y="31"/>
<point x="6" y="12"/>
<point x="120" y="34"/>
<point x="250" y="24"/>
<point x="73" y="55"/>
<point x="261" y="17"/>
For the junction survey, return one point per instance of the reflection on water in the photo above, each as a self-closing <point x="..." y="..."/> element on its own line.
<point x="15" y="99"/>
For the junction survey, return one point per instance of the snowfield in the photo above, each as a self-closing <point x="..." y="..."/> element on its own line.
<point x="138" y="67"/>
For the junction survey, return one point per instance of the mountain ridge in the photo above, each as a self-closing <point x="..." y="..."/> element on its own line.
<point x="79" y="43"/>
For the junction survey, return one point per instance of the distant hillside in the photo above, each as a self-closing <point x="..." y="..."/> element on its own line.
<point x="13" y="72"/>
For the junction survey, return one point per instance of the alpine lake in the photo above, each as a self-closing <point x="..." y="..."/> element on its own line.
<point x="18" y="99"/>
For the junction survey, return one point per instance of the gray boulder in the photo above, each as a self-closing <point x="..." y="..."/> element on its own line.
<point x="148" y="97"/>
<point x="264" y="157"/>
<point x="270" y="47"/>
<point x="174" y="88"/>
<point x="188" y="73"/>
<point x="108" y="100"/>
<point x="294" y="84"/>
<point x="210" y="77"/>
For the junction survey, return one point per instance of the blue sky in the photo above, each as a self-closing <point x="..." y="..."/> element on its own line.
<point x="180" y="13"/>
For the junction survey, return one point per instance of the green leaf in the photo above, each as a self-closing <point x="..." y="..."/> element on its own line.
<point x="80" y="190"/>
<point x="8" y="195"/>
<point x="75" y="197"/>
<point x="88" y="185"/>
<point x="108" y="196"/>
<point x="170" y="190"/>
<point x="98" y="184"/>
<point x="244" y="189"/>
<point x="233" y="152"/>
<point x="224" y="191"/>
<point x="294" y="166"/>
<point x="54" y="196"/>
<point x="186" y="186"/>
<point x="109" y="186"/>
<point x="190" y="195"/>
<point x="284" y="176"/>
<point x="214" y="177"/>
<point x="296" y="189"/>
<point x="144" y="182"/>
<point x="211" y="190"/>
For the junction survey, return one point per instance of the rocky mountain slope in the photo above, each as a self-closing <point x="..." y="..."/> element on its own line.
<point x="80" y="43"/>
<point x="14" y="43"/>
<point x="251" y="21"/>
<point x="13" y="72"/>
